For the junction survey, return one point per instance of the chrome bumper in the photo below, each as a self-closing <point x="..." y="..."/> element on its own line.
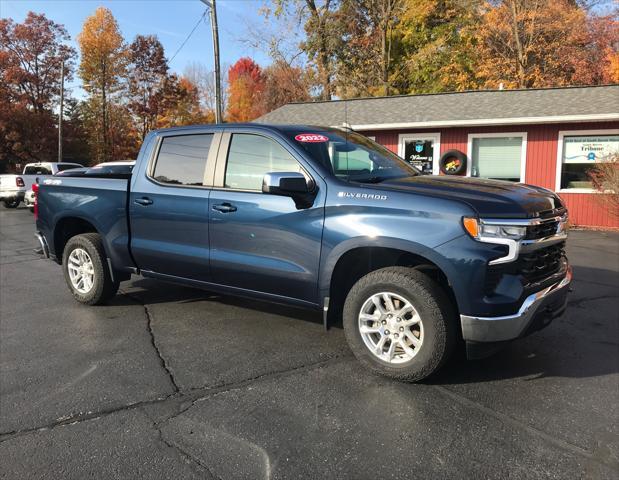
<point x="10" y="194"/>
<point x="509" y="327"/>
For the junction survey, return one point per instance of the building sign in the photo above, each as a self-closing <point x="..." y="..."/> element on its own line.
<point x="592" y="148"/>
<point x="420" y="154"/>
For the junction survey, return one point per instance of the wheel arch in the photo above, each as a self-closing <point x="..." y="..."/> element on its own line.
<point x="68" y="227"/>
<point x="353" y="259"/>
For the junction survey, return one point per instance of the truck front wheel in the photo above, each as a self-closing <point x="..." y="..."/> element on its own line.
<point x="399" y="323"/>
<point x="86" y="270"/>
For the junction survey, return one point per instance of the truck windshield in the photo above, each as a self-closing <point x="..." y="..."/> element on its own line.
<point x="352" y="157"/>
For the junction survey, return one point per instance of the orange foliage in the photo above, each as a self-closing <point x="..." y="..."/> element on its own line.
<point x="181" y="104"/>
<point x="102" y="67"/>
<point x="246" y="85"/>
<point x="532" y="43"/>
<point x="613" y="67"/>
<point x="104" y="56"/>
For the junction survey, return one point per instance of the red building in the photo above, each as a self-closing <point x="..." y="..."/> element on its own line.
<point x="545" y="137"/>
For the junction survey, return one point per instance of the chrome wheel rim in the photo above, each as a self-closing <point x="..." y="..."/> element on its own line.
<point x="81" y="270"/>
<point x="390" y="327"/>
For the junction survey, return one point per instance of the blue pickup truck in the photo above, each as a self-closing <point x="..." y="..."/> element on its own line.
<point x="322" y="218"/>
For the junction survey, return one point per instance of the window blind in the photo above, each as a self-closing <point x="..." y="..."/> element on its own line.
<point x="497" y="157"/>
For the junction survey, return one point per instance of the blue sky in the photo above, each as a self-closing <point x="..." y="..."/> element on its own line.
<point x="170" y="20"/>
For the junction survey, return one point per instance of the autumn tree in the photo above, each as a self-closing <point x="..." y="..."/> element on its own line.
<point x="147" y="72"/>
<point x="369" y="37"/>
<point x="181" y="104"/>
<point x="284" y="84"/>
<point x="601" y="65"/>
<point x="204" y="80"/>
<point x="75" y="140"/>
<point x="246" y="85"/>
<point x="102" y="68"/>
<point x="31" y="55"/>
<point x="322" y="36"/>
<point x="536" y="43"/>
<point x="437" y="49"/>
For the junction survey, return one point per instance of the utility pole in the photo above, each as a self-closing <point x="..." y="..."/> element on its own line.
<point x="213" y="14"/>
<point x="61" y="111"/>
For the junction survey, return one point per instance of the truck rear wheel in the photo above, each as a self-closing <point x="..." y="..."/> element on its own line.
<point x="12" y="203"/>
<point x="86" y="271"/>
<point x="399" y="323"/>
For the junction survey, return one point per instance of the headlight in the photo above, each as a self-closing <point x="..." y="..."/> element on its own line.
<point x="513" y="233"/>
<point x="502" y="231"/>
<point x="507" y="235"/>
<point x="484" y="232"/>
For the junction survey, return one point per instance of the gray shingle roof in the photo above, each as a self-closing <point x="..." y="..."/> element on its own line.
<point x="461" y="108"/>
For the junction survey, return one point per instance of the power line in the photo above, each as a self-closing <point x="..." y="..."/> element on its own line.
<point x="188" y="36"/>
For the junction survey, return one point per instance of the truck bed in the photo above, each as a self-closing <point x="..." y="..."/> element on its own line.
<point x="101" y="202"/>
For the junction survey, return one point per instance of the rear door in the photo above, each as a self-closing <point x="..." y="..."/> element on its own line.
<point x="263" y="242"/>
<point x="168" y="205"/>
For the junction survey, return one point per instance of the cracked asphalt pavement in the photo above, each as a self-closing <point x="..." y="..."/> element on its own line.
<point x="171" y="382"/>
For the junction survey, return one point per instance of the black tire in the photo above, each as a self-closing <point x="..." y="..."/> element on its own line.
<point x="31" y="209"/>
<point x="431" y="302"/>
<point x="103" y="287"/>
<point x="452" y="162"/>
<point x="12" y="203"/>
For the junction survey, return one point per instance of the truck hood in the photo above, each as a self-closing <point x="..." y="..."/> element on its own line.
<point x="490" y="198"/>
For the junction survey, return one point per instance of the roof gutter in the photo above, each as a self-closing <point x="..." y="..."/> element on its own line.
<point x="596" y="117"/>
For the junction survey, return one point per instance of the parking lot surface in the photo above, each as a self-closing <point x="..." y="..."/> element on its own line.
<point x="171" y="382"/>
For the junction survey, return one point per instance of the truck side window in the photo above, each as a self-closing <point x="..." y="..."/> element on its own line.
<point x="250" y="157"/>
<point x="182" y="159"/>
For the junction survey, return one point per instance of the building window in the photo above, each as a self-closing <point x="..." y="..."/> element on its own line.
<point x="578" y="152"/>
<point x="499" y="156"/>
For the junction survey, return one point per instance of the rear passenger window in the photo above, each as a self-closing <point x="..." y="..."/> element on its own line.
<point x="252" y="156"/>
<point x="182" y="159"/>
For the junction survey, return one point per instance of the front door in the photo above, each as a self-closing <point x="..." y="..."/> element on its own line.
<point x="421" y="150"/>
<point x="262" y="242"/>
<point x="169" y="209"/>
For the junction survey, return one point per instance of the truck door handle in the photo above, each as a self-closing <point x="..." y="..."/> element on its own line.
<point x="143" y="201"/>
<point x="225" y="208"/>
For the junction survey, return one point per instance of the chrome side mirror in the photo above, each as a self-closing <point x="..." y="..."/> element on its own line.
<point x="290" y="184"/>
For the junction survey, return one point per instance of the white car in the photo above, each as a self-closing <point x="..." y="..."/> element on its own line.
<point x="13" y="187"/>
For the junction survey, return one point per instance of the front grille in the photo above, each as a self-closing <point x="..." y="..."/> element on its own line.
<point x="533" y="267"/>
<point x="540" y="264"/>
<point x="542" y="230"/>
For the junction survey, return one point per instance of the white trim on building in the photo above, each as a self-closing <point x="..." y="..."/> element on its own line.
<point x="596" y="117"/>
